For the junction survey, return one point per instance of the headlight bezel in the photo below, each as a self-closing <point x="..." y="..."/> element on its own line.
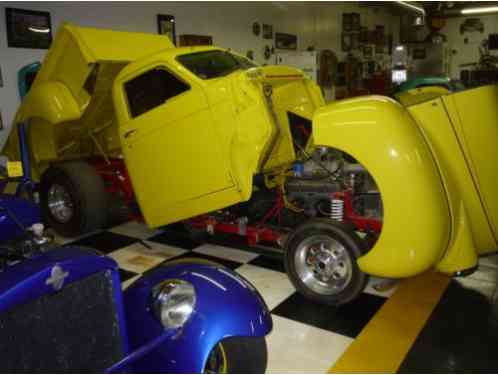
<point x="173" y="302"/>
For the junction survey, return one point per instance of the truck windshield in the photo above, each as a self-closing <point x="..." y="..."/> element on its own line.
<point x="214" y="64"/>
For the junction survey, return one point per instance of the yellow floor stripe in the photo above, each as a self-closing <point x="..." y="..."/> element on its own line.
<point x="386" y="339"/>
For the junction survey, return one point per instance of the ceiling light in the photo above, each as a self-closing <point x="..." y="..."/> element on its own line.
<point x="411" y="6"/>
<point x="479" y="10"/>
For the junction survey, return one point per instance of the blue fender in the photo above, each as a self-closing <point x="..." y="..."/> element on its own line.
<point x="25" y="212"/>
<point x="227" y="305"/>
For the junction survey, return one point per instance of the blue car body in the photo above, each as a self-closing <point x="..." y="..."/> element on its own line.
<point x="227" y="305"/>
<point x="16" y="213"/>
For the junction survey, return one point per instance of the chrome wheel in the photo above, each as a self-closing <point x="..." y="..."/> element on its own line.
<point x="323" y="264"/>
<point x="60" y="203"/>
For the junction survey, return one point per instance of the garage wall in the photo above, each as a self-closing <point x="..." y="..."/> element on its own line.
<point x="467" y="52"/>
<point x="230" y="24"/>
<point x="328" y="23"/>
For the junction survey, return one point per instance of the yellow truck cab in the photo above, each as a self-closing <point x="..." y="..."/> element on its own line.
<point x="358" y="187"/>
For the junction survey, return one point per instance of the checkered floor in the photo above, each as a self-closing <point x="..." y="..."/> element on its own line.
<point x="307" y="337"/>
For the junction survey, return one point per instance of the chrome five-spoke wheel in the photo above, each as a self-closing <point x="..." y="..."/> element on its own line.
<point x="60" y="203"/>
<point x="320" y="259"/>
<point x="323" y="264"/>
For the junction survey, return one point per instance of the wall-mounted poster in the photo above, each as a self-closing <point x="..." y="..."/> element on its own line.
<point x="195" y="40"/>
<point x="267" y="31"/>
<point x="256" y="28"/>
<point x="285" y="41"/>
<point x="28" y="28"/>
<point x="367" y="52"/>
<point x="166" y="26"/>
<point x="418" y="54"/>
<point x="346" y="42"/>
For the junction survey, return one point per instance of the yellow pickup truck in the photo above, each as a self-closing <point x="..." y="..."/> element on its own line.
<point x="358" y="187"/>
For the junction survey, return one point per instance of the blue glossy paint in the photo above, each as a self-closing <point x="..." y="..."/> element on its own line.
<point x="227" y="305"/>
<point x="27" y="280"/>
<point x="26" y="212"/>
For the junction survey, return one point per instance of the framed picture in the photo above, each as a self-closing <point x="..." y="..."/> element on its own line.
<point x="195" y="40"/>
<point x="166" y="26"/>
<point x="28" y="28"/>
<point x="267" y="31"/>
<point x="256" y="28"/>
<point x="347" y="22"/>
<point x="285" y="41"/>
<point x="419" y="53"/>
<point x="346" y="42"/>
<point x="367" y="52"/>
<point x="379" y="49"/>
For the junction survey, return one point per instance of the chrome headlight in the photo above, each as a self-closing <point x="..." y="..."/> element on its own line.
<point x="173" y="302"/>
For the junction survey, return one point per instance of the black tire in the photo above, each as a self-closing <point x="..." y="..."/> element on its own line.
<point x="118" y="211"/>
<point x="239" y="355"/>
<point x="86" y="193"/>
<point x="352" y="244"/>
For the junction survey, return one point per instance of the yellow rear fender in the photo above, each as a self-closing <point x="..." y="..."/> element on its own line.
<point x="51" y="101"/>
<point x="47" y="104"/>
<point x="381" y="135"/>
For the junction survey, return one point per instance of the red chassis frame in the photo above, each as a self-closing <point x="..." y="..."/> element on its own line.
<point x="117" y="181"/>
<point x="264" y="233"/>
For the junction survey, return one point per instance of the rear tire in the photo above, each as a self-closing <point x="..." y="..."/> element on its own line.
<point x="238" y="355"/>
<point x="320" y="261"/>
<point x="73" y="199"/>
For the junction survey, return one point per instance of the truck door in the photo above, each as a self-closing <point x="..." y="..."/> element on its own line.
<point x="168" y="140"/>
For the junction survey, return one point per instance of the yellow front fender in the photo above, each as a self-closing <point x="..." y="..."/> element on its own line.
<point x="381" y="135"/>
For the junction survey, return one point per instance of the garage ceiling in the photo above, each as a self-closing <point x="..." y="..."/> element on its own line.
<point x="442" y="8"/>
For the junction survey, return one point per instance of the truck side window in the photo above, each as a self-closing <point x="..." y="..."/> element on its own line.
<point x="151" y="89"/>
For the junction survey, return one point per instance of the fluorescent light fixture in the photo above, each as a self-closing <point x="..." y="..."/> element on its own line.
<point x="45" y="30"/>
<point x="412" y="7"/>
<point x="479" y="10"/>
<point x="400" y="48"/>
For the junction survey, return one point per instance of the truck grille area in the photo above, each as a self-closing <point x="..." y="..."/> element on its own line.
<point x="74" y="330"/>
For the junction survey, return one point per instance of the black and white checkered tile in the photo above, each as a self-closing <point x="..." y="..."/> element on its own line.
<point x="307" y="337"/>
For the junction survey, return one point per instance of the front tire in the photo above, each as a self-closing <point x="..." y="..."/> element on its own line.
<point x="73" y="199"/>
<point x="238" y="355"/>
<point x="321" y="263"/>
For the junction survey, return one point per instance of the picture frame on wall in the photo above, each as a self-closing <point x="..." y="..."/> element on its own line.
<point x="419" y="53"/>
<point x="28" y="28"/>
<point x="285" y="41"/>
<point x="166" y="26"/>
<point x="346" y="42"/>
<point x="367" y="52"/>
<point x="267" y="31"/>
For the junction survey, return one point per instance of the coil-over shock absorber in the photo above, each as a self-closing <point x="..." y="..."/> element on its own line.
<point x="336" y="208"/>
